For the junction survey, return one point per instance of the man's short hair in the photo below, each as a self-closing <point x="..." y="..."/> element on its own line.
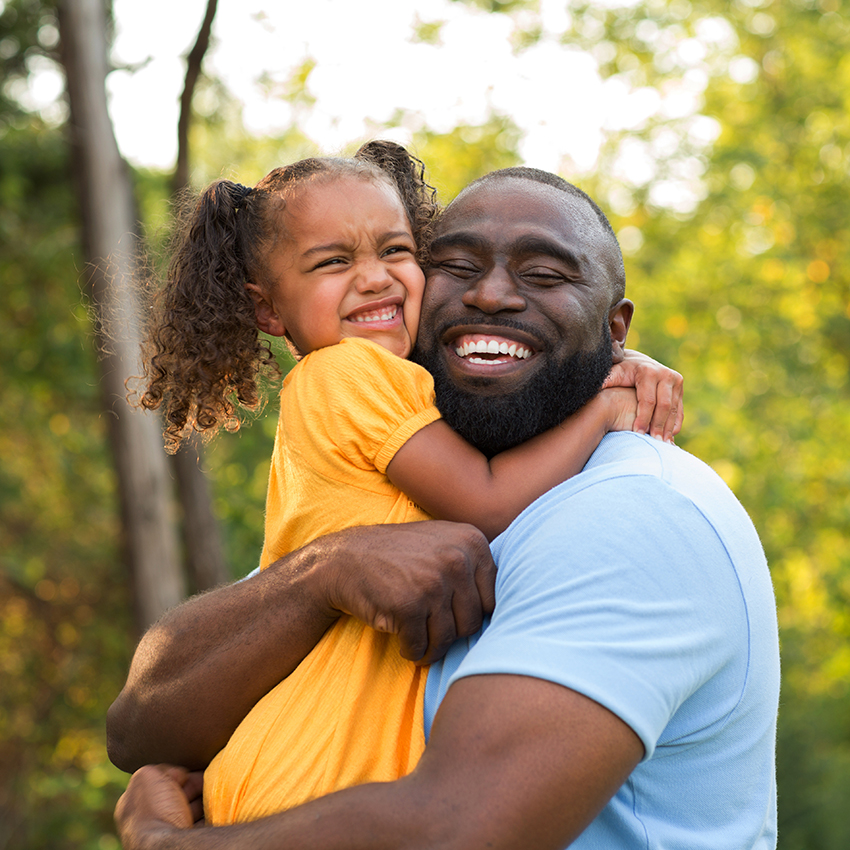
<point x="524" y="172"/>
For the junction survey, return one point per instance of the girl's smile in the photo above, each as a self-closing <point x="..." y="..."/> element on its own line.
<point x="388" y="311"/>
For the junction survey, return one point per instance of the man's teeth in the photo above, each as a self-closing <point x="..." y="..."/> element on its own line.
<point x="492" y="347"/>
<point x="376" y="315"/>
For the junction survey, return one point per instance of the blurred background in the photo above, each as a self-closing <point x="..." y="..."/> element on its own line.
<point x="717" y="136"/>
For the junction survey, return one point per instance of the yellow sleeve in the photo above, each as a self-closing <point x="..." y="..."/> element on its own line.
<point x="361" y="403"/>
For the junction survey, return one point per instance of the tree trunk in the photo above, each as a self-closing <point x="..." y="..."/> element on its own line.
<point x="109" y="236"/>
<point x="201" y="535"/>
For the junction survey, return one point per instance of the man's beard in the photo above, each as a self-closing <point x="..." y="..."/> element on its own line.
<point x="494" y="423"/>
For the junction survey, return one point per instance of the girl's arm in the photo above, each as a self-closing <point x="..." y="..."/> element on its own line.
<point x="452" y="480"/>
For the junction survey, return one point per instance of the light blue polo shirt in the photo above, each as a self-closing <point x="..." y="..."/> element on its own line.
<point x="641" y="583"/>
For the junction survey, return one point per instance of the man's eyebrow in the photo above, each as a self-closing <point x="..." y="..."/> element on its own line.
<point x="460" y="239"/>
<point x="346" y="246"/>
<point x="548" y="247"/>
<point x="522" y="246"/>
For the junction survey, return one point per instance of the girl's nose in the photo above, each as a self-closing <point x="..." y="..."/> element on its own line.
<point x="373" y="276"/>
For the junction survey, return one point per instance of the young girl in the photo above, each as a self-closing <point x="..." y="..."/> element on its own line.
<point x="324" y="252"/>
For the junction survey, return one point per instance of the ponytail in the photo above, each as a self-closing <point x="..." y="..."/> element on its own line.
<point x="203" y="351"/>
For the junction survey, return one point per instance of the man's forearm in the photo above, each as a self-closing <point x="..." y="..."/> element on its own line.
<point x="512" y="763"/>
<point x="200" y="669"/>
<point x="371" y="817"/>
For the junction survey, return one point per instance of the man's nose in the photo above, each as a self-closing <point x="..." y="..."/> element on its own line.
<point x="494" y="292"/>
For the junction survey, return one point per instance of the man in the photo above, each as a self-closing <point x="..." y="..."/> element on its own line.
<point x="624" y="693"/>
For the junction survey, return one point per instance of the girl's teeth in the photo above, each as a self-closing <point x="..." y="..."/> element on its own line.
<point x="383" y="316"/>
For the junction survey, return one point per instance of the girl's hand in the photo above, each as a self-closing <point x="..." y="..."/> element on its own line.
<point x="621" y="408"/>
<point x="659" y="390"/>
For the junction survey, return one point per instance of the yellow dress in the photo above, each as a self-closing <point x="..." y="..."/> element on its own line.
<point x="352" y="710"/>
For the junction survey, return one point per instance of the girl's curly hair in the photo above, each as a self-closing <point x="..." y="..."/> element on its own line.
<point x="203" y="353"/>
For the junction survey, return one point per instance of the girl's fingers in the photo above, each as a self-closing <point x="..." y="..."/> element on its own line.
<point x="647" y="398"/>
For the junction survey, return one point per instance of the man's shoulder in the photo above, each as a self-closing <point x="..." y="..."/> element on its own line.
<point x="632" y="463"/>
<point x="638" y="488"/>
<point x="627" y="453"/>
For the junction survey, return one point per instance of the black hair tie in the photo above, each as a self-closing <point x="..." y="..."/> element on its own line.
<point x="241" y="191"/>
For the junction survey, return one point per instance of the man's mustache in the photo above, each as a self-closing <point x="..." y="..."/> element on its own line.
<point x="475" y="317"/>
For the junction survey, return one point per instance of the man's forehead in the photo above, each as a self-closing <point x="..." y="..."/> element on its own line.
<point x="515" y="201"/>
<point x="505" y="212"/>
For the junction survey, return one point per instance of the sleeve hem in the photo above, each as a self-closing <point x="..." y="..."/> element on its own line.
<point x="402" y="434"/>
<point x="580" y="684"/>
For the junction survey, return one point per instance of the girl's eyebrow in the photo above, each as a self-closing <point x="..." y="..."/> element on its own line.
<point x="344" y="246"/>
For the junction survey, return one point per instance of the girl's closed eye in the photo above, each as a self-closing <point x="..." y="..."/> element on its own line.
<point x="331" y="261"/>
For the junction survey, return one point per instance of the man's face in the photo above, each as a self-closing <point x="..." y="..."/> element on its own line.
<point x="518" y="326"/>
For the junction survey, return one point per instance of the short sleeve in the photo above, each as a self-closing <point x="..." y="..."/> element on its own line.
<point x="636" y="608"/>
<point x="361" y="402"/>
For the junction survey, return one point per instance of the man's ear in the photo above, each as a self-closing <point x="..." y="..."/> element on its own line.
<point x="268" y="319"/>
<point x="619" y="319"/>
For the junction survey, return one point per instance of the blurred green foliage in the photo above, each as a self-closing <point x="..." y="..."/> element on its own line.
<point x="64" y="624"/>
<point x="743" y="286"/>
<point x="748" y="295"/>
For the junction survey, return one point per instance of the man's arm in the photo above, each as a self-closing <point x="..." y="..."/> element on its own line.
<point x="513" y="762"/>
<point x="199" y="670"/>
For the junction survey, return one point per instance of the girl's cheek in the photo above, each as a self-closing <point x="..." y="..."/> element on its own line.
<point x="411" y="323"/>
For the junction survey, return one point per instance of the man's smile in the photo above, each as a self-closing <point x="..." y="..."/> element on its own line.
<point x="487" y="348"/>
<point x="476" y="349"/>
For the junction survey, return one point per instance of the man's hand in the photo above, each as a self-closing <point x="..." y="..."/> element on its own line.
<point x="159" y="798"/>
<point x="427" y="582"/>
<point x="660" y="410"/>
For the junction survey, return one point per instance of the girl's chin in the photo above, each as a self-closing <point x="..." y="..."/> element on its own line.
<point x="395" y="343"/>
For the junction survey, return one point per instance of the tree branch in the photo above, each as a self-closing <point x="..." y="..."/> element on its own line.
<point x="193" y="71"/>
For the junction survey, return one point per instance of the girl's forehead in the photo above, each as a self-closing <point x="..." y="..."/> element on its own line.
<point x="313" y="198"/>
<point x="339" y="211"/>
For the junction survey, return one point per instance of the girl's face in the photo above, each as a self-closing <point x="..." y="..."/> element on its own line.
<point x="346" y="268"/>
